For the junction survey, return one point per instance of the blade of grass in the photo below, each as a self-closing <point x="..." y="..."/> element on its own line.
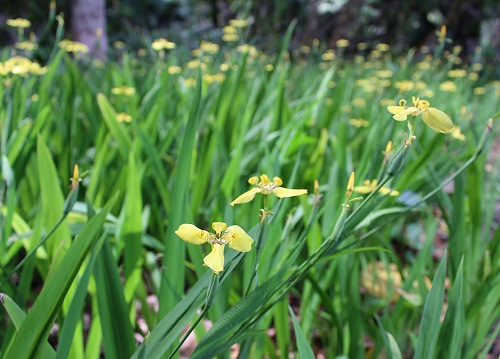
<point x="75" y="309"/>
<point x="429" y="326"/>
<point x="305" y="351"/>
<point x="17" y="316"/>
<point x="173" y="260"/>
<point x="38" y="322"/>
<point x="118" y="336"/>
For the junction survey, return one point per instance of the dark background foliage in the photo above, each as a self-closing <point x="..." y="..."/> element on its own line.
<point x="402" y="24"/>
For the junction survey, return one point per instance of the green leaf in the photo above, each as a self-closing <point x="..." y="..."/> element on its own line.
<point x="117" y="332"/>
<point x="454" y="322"/>
<point x="173" y="260"/>
<point x="394" y="347"/>
<point x="36" y="327"/>
<point x="305" y="351"/>
<point x="377" y="214"/>
<point x="429" y="326"/>
<point x="131" y="230"/>
<point x="52" y="198"/>
<point x="116" y="128"/>
<point x="17" y="316"/>
<point x="226" y="330"/>
<point x="75" y="308"/>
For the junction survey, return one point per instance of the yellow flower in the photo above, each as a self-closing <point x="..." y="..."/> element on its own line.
<point x="18" y="23"/>
<point x="36" y="69"/>
<point x="238" y="23"/>
<point x="448" y="86"/>
<point x="265" y="186"/>
<point x="342" y="43"/>
<point x="172" y="70"/>
<point x="382" y="47"/>
<point x="123" y="117"/>
<point x="358" y="122"/>
<point x="237" y="238"/>
<point x="479" y="91"/>
<point x="457" y="73"/>
<point x="362" y="46"/>
<point x="230" y="37"/>
<point x="18" y="65"/>
<point x="329" y="55"/>
<point x="123" y="90"/>
<point x="434" y="118"/>
<point x="209" y="47"/>
<point x="26" y="45"/>
<point x="73" y="46"/>
<point x="119" y="45"/>
<point x="229" y="30"/>
<point x="369" y="186"/>
<point x="162" y="44"/>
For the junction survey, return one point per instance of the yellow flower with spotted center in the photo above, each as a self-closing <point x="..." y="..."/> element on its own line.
<point x="434" y="118"/>
<point x="265" y="186"/>
<point x="235" y="236"/>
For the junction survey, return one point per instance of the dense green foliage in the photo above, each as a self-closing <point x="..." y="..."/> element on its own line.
<point x="160" y="142"/>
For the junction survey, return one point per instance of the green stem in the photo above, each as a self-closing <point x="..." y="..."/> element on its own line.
<point x="479" y="149"/>
<point x="258" y="246"/>
<point x="33" y="251"/>
<point x="211" y="291"/>
<point x="190" y="330"/>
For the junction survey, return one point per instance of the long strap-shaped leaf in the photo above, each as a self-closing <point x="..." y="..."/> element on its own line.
<point x="429" y="327"/>
<point x="117" y="331"/>
<point x="17" y="316"/>
<point x="173" y="259"/>
<point x="33" y="333"/>
<point x="219" y="336"/>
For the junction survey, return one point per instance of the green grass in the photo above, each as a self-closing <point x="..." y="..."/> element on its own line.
<point x="320" y="278"/>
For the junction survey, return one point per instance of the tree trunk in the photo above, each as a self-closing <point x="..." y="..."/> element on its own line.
<point x="88" y="25"/>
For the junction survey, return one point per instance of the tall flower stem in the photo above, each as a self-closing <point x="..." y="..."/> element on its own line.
<point x="261" y="235"/>
<point x="211" y="290"/>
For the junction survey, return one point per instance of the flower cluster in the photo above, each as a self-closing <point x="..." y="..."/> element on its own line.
<point x="235" y="236"/>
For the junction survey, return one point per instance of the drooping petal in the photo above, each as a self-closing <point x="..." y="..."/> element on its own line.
<point x="363" y="189"/>
<point x="238" y="239"/>
<point x="437" y="120"/>
<point x="247" y="196"/>
<point x="402" y="115"/>
<point x="215" y="259"/>
<point x="384" y="190"/>
<point x="394" y="193"/>
<point x="192" y="234"/>
<point x="283" y="192"/>
<point x="395" y="109"/>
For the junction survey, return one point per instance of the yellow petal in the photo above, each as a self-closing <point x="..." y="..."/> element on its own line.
<point x="395" y="109"/>
<point x="283" y="192"/>
<point x="437" y="120"/>
<point x="192" y="234"/>
<point x="350" y="186"/>
<point x="238" y="239"/>
<point x="246" y="197"/>
<point x="401" y="116"/>
<point x="363" y="189"/>
<point x="219" y="227"/>
<point x="215" y="259"/>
